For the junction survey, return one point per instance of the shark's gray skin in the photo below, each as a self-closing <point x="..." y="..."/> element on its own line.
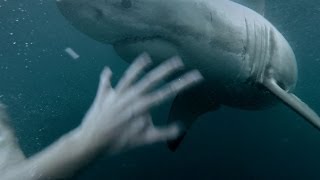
<point x="245" y="60"/>
<point x="257" y="5"/>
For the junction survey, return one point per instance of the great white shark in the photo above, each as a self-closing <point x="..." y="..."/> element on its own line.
<point x="246" y="62"/>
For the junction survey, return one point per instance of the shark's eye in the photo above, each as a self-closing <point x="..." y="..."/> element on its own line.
<point x="126" y="3"/>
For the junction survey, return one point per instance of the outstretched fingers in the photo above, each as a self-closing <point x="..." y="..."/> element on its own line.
<point x="187" y="80"/>
<point x="149" y="134"/>
<point x="104" y="84"/>
<point x="133" y="72"/>
<point x="158" y="74"/>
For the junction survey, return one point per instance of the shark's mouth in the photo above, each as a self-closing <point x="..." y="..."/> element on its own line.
<point x="137" y="39"/>
<point x="157" y="46"/>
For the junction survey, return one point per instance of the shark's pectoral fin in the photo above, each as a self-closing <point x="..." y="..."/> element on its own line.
<point x="186" y="108"/>
<point x="293" y="102"/>
<point x="174" y="144"/>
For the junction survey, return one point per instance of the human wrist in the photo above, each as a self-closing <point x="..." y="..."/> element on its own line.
<point x="89" y="142"/>
<point x="67" y="156"/>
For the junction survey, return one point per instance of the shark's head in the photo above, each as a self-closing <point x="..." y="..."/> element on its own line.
<point x="282" y="67"/>
<point x="114" y="21"/>
<point x="129" y="25"/>
<point x="105" y="20"/>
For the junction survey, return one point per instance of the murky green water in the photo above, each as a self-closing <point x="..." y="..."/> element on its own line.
<point x="48" y="92"/>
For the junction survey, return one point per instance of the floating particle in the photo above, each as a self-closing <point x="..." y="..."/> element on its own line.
<point x="72" y="53"/>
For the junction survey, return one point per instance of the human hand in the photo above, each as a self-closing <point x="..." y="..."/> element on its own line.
<point x="119" y="118"/>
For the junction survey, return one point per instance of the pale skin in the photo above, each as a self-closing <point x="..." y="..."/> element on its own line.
<point x="118" y="120"/>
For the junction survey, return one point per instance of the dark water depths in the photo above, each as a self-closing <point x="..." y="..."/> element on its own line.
<point x="48" y="92"/>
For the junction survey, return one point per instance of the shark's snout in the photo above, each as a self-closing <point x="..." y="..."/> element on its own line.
<point x="283" y="65"/>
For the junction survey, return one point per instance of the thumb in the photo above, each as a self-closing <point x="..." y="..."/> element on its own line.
<point x="155" y="135"/>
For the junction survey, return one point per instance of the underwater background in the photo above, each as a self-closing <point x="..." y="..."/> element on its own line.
<point x="47" y="94"/>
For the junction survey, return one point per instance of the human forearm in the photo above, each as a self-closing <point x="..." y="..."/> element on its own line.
<point x="61" y="159"/>
<point x="118" y="120"/>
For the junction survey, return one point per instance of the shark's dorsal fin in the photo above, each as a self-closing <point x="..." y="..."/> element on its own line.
<point x="293" y="102"/>
<point x="256" y="5"/>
